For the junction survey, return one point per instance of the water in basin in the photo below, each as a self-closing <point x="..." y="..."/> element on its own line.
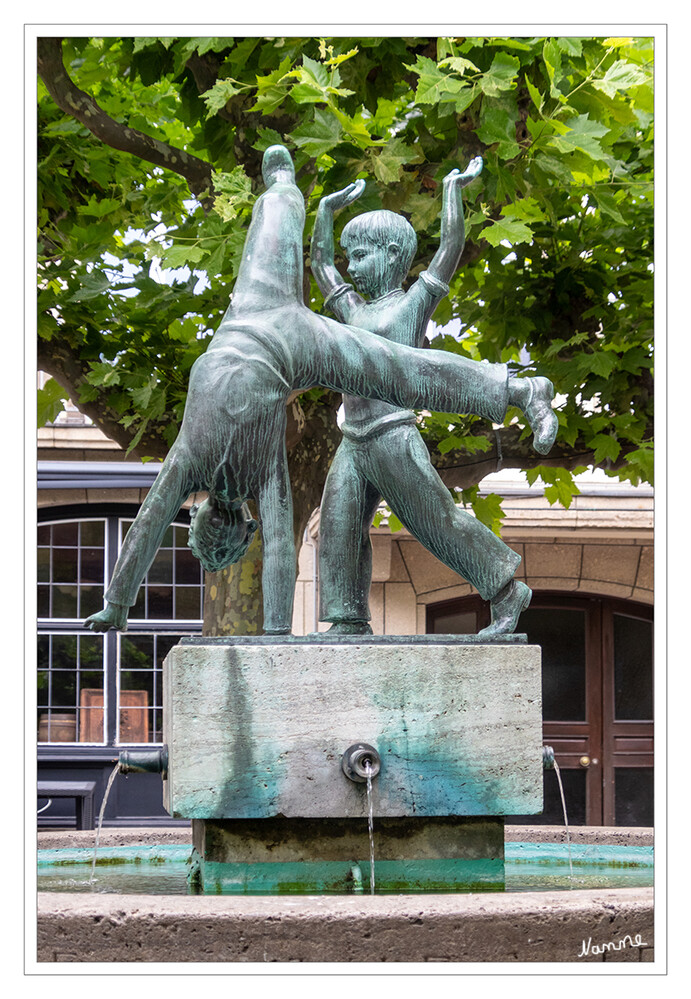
<point x="164" y="870"/>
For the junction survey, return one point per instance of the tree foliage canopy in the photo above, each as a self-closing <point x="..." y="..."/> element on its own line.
<point x="149" y="153"/>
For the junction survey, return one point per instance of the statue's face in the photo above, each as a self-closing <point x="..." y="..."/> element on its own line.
<point x="373" y="268"/>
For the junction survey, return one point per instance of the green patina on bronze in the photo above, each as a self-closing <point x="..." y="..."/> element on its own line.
<point x="232" y="440"/>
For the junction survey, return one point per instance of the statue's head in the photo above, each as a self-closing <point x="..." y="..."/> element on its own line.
<point x="220" y="536"/>
<point x="277" y="164"/>
<point x="380" y="248"/>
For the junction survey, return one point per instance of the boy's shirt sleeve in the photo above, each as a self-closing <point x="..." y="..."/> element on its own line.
<point x="342" y="301"/>
<point x="422" y="299"/>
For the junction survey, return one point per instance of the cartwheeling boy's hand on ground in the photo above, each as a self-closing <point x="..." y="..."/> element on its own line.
<point x="340" y="199"/>
<point x="112" y="617"/>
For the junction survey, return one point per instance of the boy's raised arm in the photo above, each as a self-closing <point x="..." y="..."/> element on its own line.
<point x="452" y="240"/>
<point x="322" y="247"/>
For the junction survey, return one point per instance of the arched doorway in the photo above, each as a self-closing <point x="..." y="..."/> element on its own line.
<point x="597" y="687"/>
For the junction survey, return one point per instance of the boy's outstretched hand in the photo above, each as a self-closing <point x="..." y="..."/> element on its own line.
<point x="473" y="170"/>
<point x="340" y="199"/>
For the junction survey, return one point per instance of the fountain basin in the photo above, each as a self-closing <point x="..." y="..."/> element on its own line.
<point x="579" y="925"/>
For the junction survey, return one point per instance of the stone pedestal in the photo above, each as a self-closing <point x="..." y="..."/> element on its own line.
<point x="256" y="730"/>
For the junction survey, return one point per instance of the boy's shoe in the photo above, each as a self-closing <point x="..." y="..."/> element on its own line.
<point x="506" y="608"/>
<point x="350" y="628"/>
<point x="540" y="415"/>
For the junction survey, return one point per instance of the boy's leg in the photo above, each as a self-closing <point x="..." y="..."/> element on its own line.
<point x="401" y="468"/>
<point x="275" y="503"/>
<point x="173" y="485"/>
<point x="351" y="360"/>
<point x="348" y="506"/>
<point x="356" y="362"/>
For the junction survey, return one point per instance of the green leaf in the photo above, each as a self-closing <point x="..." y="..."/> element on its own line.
<point x="501" y="74"/>
<point x="535" y="95"/>
<point x="395" y="524"/>
<point x="218" y="96"/>
<point x="99" y="207"/>
<point x="581" y="133"/>
<point x="621" y="75"/>
<point x="50" y="402"/>
<point x="498" y="125"/>
<point x="319" y="135"/>
<point x="389" y="161"/>
<point x="513" y="231"/>
<point x="551" y="56"/>
<point x="181" y="255"/>
<point x="434" y="85"/>
<point x="488" y="510"/>
<point x="93" y="286"/>
<point x="605" y="446"/>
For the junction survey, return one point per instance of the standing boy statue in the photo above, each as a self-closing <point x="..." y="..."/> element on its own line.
<point x="232" y="439"/>
<point x="382" y="452"/>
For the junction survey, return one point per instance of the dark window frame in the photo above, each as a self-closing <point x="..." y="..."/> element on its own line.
<point x="112" y="514"/>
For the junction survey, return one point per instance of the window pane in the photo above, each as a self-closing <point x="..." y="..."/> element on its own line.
<point x="138" y="611"/>
<point x="633" y="796"/>
<point x="43" y="601"/>
<point x="91" y="532"/>
<point x="160" y="602"/>
<point x="187" y="567"/>
<point x="65" y="565"/>
<point x="91" y="651"/>
<point x="136" y="651"/>
<point x="90" y="600"/>
<point x="43" y="534"/>
<point x="91" y="565"/>
<point x="188" y="603"/>
<point x="162" y="569"/>
<point x="64" y="601"/>
<point x="633" y="669"/>
<point x="63" y="688"/>
<point x="43" y="688"/>
<point x="561" y="634"/>
<point x="164" y="643"/>
<point x="43" y="565"/>
<point x="65" y="534"/>
<point x="57" y="726"/>
<point x="64" y="651"/>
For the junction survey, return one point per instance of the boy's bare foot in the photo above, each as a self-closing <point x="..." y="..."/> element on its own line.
<point x="506" y="608"/>
<point x="113" y="617"/>
<point x="277" y="165"/>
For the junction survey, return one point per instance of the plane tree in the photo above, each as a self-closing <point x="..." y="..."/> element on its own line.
<point x="149" y="160"/>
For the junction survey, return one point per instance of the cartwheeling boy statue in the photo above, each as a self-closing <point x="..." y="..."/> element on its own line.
<point x="232" y="439"/>
<point x="382" y="453"/>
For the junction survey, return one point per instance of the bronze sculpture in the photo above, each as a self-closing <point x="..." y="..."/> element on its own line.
<point x="232" y="439"/>
<point x="382" y="452"/>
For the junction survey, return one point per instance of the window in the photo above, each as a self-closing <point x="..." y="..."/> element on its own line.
<point x="106" y="689"/>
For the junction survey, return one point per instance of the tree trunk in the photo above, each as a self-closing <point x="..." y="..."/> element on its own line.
<point x="233" y="597"/>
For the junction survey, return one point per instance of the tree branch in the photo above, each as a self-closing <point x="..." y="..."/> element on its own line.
<point x="75" y="102"/>
<point x="461" y="471"/>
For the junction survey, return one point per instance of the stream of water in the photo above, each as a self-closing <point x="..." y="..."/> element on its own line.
<point x="370" y="825"/>
<point x="110" y="783"/>
<point x="566" y="819"/>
